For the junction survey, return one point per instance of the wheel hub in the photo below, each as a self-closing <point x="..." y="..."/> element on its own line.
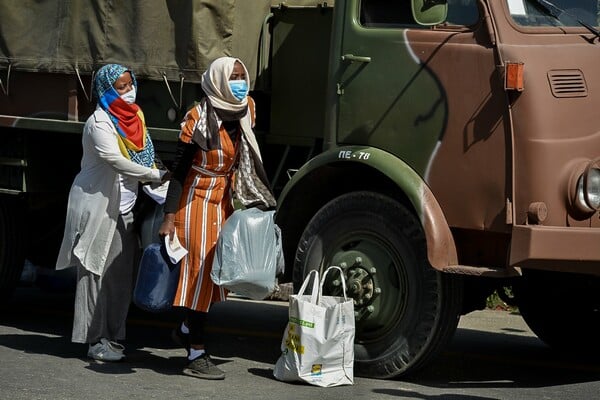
<point x="361" y="284"/>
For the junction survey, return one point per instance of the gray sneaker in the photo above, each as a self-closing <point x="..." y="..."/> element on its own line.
<point x="203" y="368"/>
<point x="106" y="350"/>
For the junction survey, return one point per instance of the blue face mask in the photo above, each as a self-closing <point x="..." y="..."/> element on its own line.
<point x="239" y="88"/>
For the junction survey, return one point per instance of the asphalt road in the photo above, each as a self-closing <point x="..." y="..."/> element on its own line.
<point x="493" y="356"/>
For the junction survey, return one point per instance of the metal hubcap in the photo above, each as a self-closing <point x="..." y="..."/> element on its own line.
<point x="372" y="281"/>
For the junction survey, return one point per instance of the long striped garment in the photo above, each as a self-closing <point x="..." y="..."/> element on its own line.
<point x="204" y="206"/>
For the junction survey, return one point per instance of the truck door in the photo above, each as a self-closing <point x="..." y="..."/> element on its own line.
<point x="382" y="83"/>
<point x="432" y="96"/>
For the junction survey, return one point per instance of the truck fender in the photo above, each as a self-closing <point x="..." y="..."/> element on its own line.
<point x="441" y="249"/>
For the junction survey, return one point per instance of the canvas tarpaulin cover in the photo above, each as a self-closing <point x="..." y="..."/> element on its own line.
<point x="170" y="37"/>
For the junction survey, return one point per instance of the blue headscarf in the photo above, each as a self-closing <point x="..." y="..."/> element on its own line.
<point x="128" y="119"/>
<point x="107" y="76"/>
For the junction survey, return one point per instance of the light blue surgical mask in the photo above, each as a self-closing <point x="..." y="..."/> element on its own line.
<point x="239" y="88"/>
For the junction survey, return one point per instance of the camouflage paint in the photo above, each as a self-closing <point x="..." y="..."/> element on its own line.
<point x="440" y="250"/>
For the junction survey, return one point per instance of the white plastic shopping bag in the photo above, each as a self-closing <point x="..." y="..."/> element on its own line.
<point x="318" y="342"/>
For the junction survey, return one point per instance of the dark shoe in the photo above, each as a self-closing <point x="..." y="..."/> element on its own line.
<point x="203" y="368"/>
<point x="181" y="339"/>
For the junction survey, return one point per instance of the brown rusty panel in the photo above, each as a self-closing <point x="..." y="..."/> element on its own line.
<point x="544" y="172"/>
<point x="441" y="249"/>
<point x="553" y="135"/>
<point x="586" y="222"/>
<point x="482" y="248"/>
<point x="559" y="249"/>
<point x="470" y="171"/>
<point x="482" y="271"/>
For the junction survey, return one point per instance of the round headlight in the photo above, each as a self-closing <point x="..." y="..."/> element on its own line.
<point x="587" y="196"/>
<point x="591" y="187"/>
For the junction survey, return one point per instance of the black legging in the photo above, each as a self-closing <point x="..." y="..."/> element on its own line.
<point x="196" y="324"/>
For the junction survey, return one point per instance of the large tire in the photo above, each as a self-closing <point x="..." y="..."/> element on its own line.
<point x="562" y="309"/>
<point x="12" y="255"/>
<point x="406" y="311"/>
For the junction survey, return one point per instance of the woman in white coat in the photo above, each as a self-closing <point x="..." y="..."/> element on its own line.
<point x="99" y="238"/>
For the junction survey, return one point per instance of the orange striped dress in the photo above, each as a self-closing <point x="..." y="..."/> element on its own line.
<point x="204" y="206"/>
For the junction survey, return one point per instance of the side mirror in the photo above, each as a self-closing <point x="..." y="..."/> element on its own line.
<point x="429" y="12"/>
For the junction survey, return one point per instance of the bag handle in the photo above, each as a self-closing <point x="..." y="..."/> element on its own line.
<point x="341" y="276"/>
<point x="315" y="286"/>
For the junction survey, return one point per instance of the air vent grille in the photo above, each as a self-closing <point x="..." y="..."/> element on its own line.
<point x="567" y="83"/>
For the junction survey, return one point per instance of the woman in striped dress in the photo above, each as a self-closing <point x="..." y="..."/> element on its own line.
<point x="216" y="136"/>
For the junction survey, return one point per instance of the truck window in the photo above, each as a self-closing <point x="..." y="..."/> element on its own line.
<point x="531" y="13"/>
<point x="383" y="13"/>
<point x="462" y="12"/>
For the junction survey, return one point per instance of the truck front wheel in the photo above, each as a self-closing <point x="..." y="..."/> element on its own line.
<point x="562" y="309"/>
<point x="12" y="256"/>
<point x="405" y="311"/>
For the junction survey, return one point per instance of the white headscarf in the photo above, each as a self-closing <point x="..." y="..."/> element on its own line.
<point x="250" y="188"/>
<point x="215" y="83"/>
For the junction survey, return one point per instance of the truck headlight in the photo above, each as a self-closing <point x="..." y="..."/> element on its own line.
<point x="588" y="189"/>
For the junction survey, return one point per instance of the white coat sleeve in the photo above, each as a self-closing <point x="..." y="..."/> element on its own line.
<point x="106" y="144"/>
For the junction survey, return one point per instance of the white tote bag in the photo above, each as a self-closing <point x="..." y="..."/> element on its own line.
<point x="318" y="342"/>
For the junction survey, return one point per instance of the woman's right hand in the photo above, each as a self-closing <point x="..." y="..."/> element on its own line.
<point x="166" y="177"/>
<point x="168" y="226"/>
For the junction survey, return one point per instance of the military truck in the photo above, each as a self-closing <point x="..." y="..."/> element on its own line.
<point x="437" y="151"/>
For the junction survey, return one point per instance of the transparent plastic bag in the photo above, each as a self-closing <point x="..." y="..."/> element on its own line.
<point x="248" y="254"/>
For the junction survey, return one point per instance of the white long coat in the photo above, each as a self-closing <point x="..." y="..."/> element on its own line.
<point x="93" y="206"/>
